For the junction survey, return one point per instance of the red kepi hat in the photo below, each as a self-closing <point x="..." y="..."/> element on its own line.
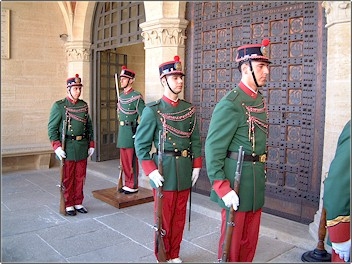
<point x="257" y="52"/>
<point x="74" y="81"/>
<point x="171" y="67"/>
<point x="127" y="73"/>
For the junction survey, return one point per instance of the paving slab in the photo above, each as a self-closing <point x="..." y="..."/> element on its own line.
<point x="34" y="231"/>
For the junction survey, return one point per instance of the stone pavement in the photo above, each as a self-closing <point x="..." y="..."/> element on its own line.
<point x="32" y="229"/>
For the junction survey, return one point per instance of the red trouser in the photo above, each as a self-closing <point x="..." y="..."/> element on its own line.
<point x="244" y="236"/>
<point x="173" y="219"/>
<point x="74" y="178"/>
<point x="130" y="167"/>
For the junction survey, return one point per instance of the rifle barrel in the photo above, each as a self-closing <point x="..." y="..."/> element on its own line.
<point x="231" y="217"/>
<point x="159" y="243"/>
<point x="62" y="209"/>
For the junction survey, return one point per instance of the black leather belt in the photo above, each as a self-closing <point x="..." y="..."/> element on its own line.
<point x="127" y="123"/>
<point x="255" y="158"/>
<point x="75" y="137"/>
<point x="182" y="153"/>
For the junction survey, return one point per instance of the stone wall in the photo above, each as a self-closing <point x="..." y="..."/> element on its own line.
<point x="32" y="77"/>
<point x="135" y="62"/>
<point x="35" y="74"/>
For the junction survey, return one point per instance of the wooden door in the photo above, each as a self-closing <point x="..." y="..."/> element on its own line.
<point x="109" y="63"/>
<point x="295" y="92"/>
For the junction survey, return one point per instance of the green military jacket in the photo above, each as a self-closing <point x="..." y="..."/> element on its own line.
<point x="337" y="191"/>
<point x="228" y="130"/>
<point x="130" y="107"/>
<point x="182" y="133"/>
<point x="78" y="124"/>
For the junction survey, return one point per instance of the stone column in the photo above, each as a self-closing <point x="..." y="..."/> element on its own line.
<point x="163" y="39"/>
<point x="78" y="59"/>
<point x="338" y="87"/>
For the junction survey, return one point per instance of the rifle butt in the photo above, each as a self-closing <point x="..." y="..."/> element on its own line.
<point x="62" y="209"/>
<point x="160" y="247"/>
<point x="62" y="204"/>
<point x="231" y="217"/>
<point x="228" y="236"/>
<point x="119" y="181"/>
<point x="322" y="230"/>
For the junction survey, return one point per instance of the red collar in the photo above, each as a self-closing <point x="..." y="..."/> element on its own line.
<point x="129" y="91"/>
<point x="248" y="91"/>
<point x="73" y="102"/>
<point x="171" y="102"/>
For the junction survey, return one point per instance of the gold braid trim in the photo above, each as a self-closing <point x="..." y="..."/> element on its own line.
<point x="337" y="220"/>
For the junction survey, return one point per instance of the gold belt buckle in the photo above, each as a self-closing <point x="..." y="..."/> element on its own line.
<point x="262" y="158"/>
<point x="122" y="123"/>
<point x="78" y="137"/>
<point x="184" y="153"/>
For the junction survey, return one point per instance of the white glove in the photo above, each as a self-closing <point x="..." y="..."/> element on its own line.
<point x="195" y="175"/>
<point x="90" y="151"/>
<point x="156" y="178"/>
<point x="60" y="153"/>
<point x="342" y="249"/>
<point x="231" y="199"/>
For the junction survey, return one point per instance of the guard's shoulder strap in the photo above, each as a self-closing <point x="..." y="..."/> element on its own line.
<point x="233" y="94"/>
<point x="82" y="101"/>
<point x="186" y="102"/>
<point x="61" y="101"/>
<point x="137" y="92"/>
<point x="154" y="103"/>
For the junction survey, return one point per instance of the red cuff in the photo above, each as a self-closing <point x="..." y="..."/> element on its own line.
<point x="340" y="232"/>
<point x="197" y="162"/>
<point x="55" y="144"/>
<point x="221" y="187"/>
<point x="148" y="166"/>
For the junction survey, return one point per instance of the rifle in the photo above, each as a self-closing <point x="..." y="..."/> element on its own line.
<point x="231" y="217"/>
<point x="189" y="210"/>
<point x="160" y="232"/>
<point x="117" y="96"/>
<point x="319" y="254"/>
<point x="62" y="187"/>
<point x="117" y="88"/>
<point x="119" y="181"/>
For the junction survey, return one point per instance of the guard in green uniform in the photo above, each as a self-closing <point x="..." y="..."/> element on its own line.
<point x="182" y="160"/>
<point x="240" y="119"/>
<point x="336" y="199"/>
<point x="79" y="144"/>
<point x="130" y="106"/>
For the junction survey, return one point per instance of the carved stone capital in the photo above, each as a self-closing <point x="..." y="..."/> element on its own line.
<point x="337" y="12"/>
<point x="78" y="51"/>
<point x="164" y="32"/>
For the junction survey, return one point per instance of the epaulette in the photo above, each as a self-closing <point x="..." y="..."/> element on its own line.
<point x="137" y="92"/>
<point x="61" y="101"/>
<point x="233" y="94"/>
<point x="83" y="101"/>
<point x="183" y="100"/>
<point x="153" y="103"/>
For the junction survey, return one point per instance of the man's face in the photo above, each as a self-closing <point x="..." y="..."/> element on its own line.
<point x="261" y="72"/>
<point x="175" y="81"/>
<point x="124" y="81"/>
<point x="75" y="92"/>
